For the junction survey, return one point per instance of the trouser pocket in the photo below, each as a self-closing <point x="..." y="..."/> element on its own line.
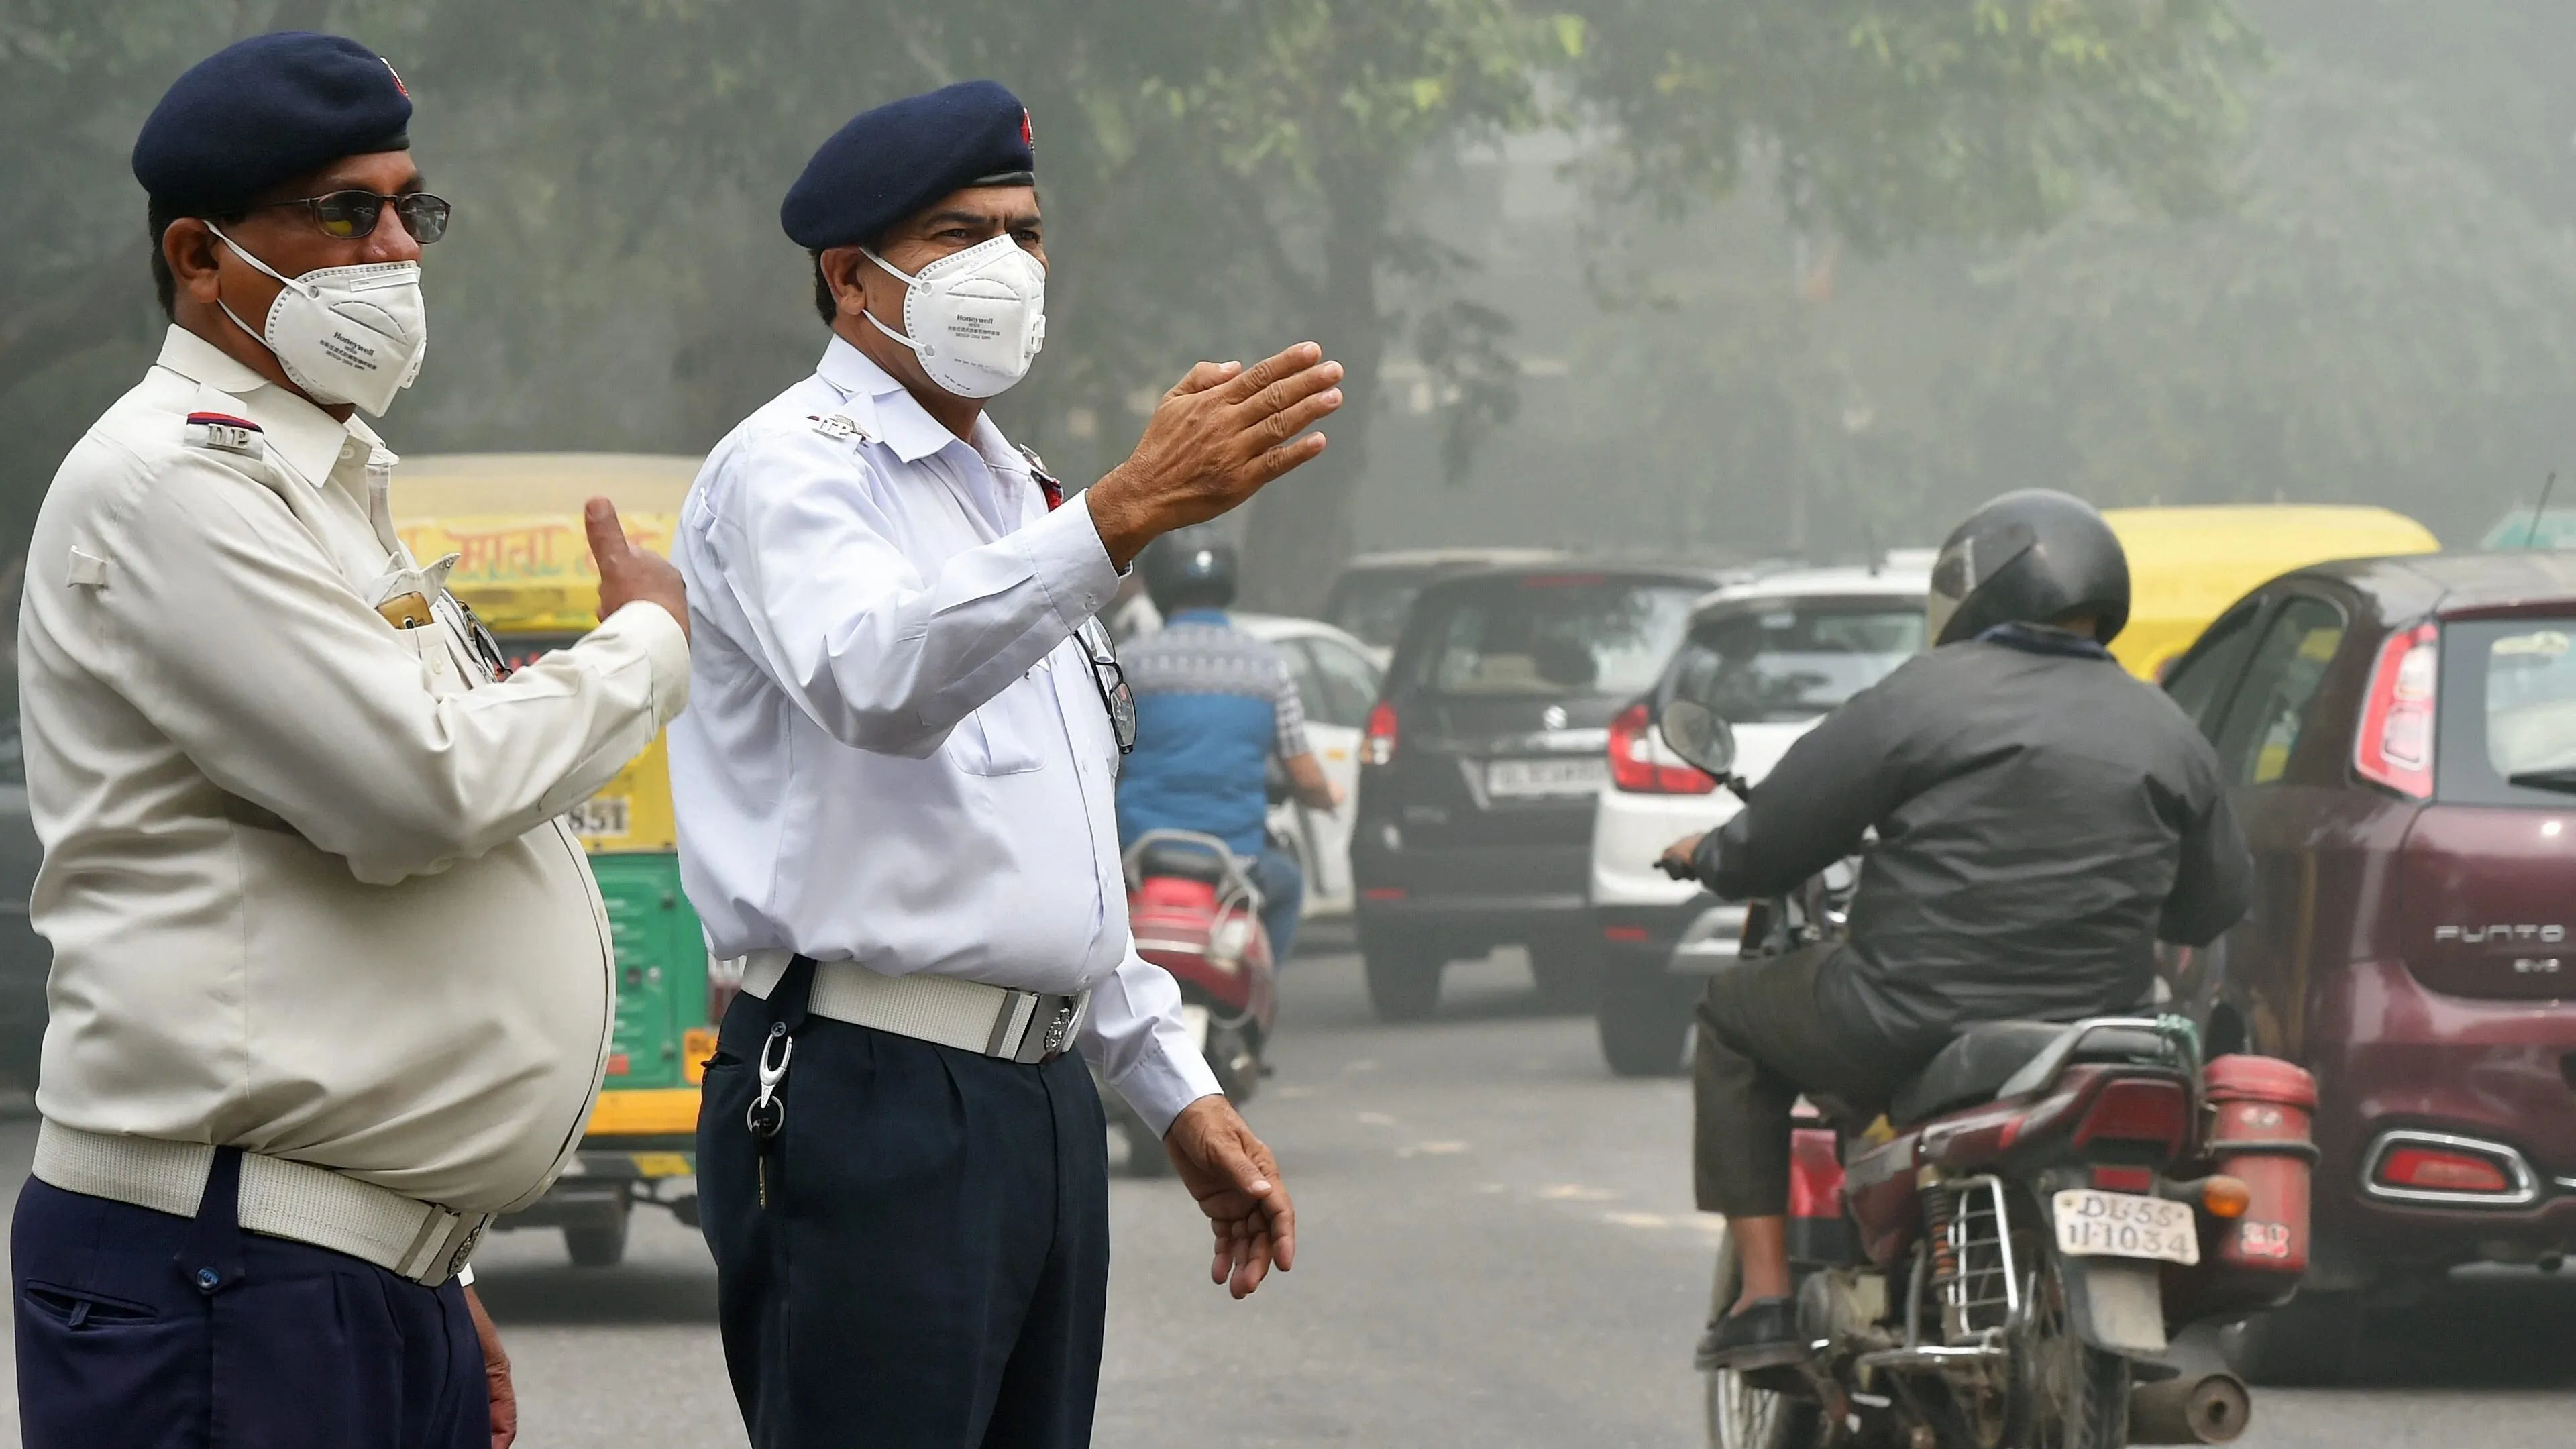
<point x="101" y="1372"/>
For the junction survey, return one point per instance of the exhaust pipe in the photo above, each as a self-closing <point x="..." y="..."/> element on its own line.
<point x="2208" y="1408"/>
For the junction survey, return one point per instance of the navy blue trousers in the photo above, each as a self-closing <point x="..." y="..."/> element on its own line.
<point x="930" y="1266"/>
<point x="294" y="1347"/>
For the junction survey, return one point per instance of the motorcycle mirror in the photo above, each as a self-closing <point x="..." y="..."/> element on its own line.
<point x="1699" y="735"/>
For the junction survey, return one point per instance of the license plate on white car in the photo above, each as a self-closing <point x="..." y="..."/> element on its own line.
<point x="2093" y="1224"/>
<point x="1582" y="775"/>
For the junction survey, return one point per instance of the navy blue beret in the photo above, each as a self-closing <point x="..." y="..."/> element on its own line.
<point x="889" y="163"/>
<point x="265" y="110"/>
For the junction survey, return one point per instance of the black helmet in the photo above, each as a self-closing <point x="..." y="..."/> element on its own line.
<point x="2029" y="558"/>
<point x="1189" y="570"/>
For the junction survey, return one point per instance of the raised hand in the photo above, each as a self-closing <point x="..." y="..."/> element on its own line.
<point x="1222" y="432"/>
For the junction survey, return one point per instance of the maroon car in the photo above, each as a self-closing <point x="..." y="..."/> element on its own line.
<point x="2401" y="734"/>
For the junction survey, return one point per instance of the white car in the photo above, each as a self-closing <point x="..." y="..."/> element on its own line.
<point x="1337" y="681"/>
<point x="1783" y="650"/>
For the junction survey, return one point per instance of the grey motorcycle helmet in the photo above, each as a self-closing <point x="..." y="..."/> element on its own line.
<point x="2028" y="557"/>
<point x="1189" y="569"/>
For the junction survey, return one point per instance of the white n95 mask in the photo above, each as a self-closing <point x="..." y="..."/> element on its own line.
<point x="345" y="334"/>
<point x="977" y="318"/>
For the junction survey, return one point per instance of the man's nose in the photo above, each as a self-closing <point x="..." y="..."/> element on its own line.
<point x="391" y="241"/>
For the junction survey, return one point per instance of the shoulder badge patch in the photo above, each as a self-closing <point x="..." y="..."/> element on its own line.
<point x="839" y="426"/>
<point x="226" y="433"/>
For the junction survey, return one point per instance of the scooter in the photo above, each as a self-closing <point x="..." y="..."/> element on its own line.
<point x="2015" y="1253"/>
<point x="1196" y="913"/>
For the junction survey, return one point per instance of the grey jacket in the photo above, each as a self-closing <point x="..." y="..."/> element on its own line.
<point x="2043" y="819"/>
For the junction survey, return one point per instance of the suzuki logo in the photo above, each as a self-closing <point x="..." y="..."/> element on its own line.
<point x="1554" y="718"/>
<point x="2480" y="935"/>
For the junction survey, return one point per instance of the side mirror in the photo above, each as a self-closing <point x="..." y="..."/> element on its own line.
<point x="1699" y="735"/>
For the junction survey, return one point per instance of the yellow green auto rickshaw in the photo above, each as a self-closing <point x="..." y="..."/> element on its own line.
<point x="513" y="520"/>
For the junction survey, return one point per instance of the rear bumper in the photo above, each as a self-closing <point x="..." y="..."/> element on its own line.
<point x="1475" y="894"/>
<point x="1630" y="830"/>
<point x="2392" y="1056"/>
<point x="1639" y="940"/>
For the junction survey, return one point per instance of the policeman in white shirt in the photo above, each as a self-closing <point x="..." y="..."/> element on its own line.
<point x="332" y="984"/>
<point x="897" y="797"/>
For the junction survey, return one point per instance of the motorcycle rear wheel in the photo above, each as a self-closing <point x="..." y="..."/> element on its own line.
<point x="2066" y="1393"/>
<point x="1740" y="1415"/>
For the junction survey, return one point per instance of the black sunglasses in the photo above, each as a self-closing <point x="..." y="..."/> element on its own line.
<point x="1116" y="696"/>
<point x="349" y="215"/>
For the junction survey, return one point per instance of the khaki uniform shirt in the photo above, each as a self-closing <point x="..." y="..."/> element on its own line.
<point x="304" y="877"/>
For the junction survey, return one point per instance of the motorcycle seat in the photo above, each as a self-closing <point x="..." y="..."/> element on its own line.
<point x="1180" y="860"/>
<point x="1974" y="1066"/>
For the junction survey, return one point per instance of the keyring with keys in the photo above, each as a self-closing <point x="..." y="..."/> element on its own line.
<point x="768" y="1111"/>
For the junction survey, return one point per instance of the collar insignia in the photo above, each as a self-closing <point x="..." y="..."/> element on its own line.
<point x="226" y="433"/>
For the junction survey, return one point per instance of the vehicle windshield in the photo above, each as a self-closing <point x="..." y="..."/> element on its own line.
<point x="1374" y="606"/>
<point x="1554" y="636"/>
<point x="1794" y="659"/>
<point x="2508" y="728"/>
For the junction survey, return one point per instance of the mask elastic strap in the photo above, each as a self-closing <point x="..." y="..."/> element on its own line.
<point x="247" y="330"/>
<point x="908" y="281"/>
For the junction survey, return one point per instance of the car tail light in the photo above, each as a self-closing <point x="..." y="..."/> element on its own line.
<point x="1379" y="747"/>
<point x="1634" y="768"/>
<point x="2139" y="1109"/>
<point x="2436" y="1169"/>
<point x="2395" y="748"/>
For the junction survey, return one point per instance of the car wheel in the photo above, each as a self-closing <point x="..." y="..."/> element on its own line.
<point x="1403" y="977"/>
<point x="1644" y="1020"/>
<point x="1568" y="973"/>
<point x="2309" y="1341"/>
<point x="599" y="1241"/>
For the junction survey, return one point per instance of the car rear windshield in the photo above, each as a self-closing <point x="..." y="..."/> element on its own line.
<point x="2507" y="734"/>
<point x="1374" y="605"/>
<point x="1792" y="660"/>
<point x="1553" y="636"/>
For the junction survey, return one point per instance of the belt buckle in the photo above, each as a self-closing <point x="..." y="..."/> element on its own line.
<point x="1042" y="1045"/>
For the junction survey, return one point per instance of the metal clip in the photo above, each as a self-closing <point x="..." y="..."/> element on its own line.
<point x="768" y="1111"/>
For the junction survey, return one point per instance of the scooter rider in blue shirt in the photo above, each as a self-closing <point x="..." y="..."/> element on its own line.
<point x="1213" y="703"/>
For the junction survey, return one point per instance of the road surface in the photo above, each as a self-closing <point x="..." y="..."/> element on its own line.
<point x="1498" y="1250"/>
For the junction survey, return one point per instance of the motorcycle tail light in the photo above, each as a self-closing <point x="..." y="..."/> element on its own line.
<point x="2125" y="1179"/>
<point x="2226" y="1197"/>
<point x="1634" y="766"/>
<point x="2138" y="1109"/>
<point x="2395" y="746"/>
<point x="1378" y="748"/>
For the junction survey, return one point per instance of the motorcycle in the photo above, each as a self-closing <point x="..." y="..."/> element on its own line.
<point x="1195" y="912"/>
<point x="2034" y="1246"/>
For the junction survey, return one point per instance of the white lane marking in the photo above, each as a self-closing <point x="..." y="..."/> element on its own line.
<point x="1376" y="1119"/>
<point x="1576" y="1192"/>
<point x="1432" y="1149"/>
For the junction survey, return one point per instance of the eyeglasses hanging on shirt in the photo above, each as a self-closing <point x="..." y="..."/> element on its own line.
<point x="1115" y="695"/>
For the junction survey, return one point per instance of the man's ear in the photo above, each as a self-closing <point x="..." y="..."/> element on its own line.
<point x="189" y="247"/>
<point x="845" y="271"/>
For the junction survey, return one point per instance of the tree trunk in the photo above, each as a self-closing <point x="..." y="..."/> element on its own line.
<point x="1304" y="525"/>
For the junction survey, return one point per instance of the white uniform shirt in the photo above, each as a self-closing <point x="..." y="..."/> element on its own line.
<point x="896" y="752"/>
<point x="304" y="878"/>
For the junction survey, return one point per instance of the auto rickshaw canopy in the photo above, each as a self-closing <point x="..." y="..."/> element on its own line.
<point x="513" y="520"/>
<point x="2188" y="564"/>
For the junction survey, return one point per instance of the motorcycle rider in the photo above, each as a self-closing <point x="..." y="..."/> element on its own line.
<point x="2042" y="820"/>
<point x="1213" y="705"/>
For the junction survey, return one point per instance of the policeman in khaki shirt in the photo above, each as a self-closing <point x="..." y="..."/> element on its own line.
<point x="332" y="985"/>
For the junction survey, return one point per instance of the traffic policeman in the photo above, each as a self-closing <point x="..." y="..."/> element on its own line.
<point x="896" y="796"/>
<point x="331" y="984"/>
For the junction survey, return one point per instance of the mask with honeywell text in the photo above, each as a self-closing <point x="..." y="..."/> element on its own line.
<point x="344" y="334"/>
<point x="975" y="318"/>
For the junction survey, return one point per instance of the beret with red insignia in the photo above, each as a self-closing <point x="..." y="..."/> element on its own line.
<point x="265" y="110"/>
<point x="889" y="163"/>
